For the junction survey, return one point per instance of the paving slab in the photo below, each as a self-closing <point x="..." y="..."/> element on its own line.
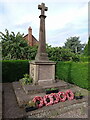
<point x="10" y="106"/>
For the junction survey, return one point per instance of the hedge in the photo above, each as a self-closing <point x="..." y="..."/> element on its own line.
<point x="84" y="59"/>
<point x="13" y="70"/>
<point x="74" y="72"/>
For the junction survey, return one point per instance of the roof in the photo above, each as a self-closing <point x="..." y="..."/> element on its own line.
<point x="32" y="36"/>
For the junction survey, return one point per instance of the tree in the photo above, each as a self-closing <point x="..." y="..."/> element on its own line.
<point x="15" y="47"/>
<point x="61" y="54"/>
<point x="74" y="44"/>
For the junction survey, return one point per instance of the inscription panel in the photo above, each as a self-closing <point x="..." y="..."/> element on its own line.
<point x="45" y="72"/>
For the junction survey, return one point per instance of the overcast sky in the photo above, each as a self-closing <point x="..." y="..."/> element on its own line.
<point x="65" y="18"/>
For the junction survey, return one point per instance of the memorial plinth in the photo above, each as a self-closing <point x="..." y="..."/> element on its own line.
<point x="43" y="73"/>
<point x="42" y="70"/>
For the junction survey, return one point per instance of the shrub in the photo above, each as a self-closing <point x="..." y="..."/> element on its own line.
<point x="13" y="70"/>
<point x="26" y="79"/>
<point x="61" y="54"/>
<point x="84" y="58"/>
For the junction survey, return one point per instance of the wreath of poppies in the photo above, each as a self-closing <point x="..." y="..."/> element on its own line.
<point x="48" y="100"/>
<point x="40" y="99"/>
<point x="62" y="96"/>
<point x="55" y="97"/>
<point x="69" y="95"/>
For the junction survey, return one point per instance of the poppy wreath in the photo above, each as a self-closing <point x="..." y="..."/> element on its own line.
<point x="56" y="97"/>
<point x="50" y="100"/>
<point x="69" y="95"/>
<point x="62" y="96"/>
<point x="40" y="99"/>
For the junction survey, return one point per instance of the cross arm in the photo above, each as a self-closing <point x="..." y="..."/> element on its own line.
<point x="46" y="8"/>
<point x="39" y="7"/>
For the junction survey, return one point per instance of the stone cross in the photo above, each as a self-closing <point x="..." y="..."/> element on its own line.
<point x="42" y="8"/>
<point x="41" y="53"/>
<point x="42" y="70"/>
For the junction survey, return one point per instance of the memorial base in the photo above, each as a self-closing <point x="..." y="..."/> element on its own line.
<point x="43" y="72"/>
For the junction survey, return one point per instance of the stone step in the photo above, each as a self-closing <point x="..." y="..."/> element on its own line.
<point x="21" y="91"/>
<point x="23" y="98"/>
<point x="33" y="89"/>
<point x="58" y="109"/>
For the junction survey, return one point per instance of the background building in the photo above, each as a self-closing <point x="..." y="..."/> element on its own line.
<point x="30" y="38"/>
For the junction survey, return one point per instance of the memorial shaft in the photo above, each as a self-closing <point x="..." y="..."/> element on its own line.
<point x="41" y="54"/>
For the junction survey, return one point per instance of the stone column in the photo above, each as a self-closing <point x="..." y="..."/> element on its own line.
<point x="41" y="54"/>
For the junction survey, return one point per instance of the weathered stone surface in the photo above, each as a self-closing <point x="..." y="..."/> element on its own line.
<point x="41" y="54"/>
<point x="45" y="82"/>
<point x="42" y="70"/>
<point x="43" y="73"/>
<point x="21" y="96"/>
<point x="10" y="107"/>
<point x="25" y="93"/>
<point x="33" y="89"/>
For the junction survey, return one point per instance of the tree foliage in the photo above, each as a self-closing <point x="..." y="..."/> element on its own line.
<point x="61" y="54"/>
<point x="74" y="44"/>
<point x="15" y="47"/>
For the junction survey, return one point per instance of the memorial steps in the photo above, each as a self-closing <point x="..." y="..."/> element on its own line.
<point x="25" y="93"/>
<point x="28" y="92"/>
